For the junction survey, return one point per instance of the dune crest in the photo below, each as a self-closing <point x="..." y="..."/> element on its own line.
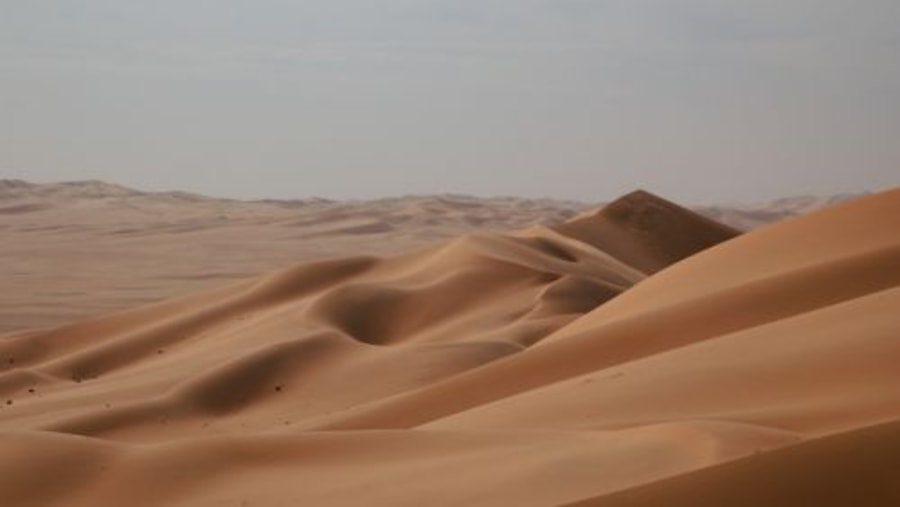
<point x="75" y="250"/>
<point x="641" y="355"/>
<point x="647" y="230"/>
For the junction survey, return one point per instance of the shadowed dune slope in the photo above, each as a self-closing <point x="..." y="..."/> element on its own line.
<point x="853" y="229"/>
<point x="538" y="369"/>
<point x="647" y="231"/>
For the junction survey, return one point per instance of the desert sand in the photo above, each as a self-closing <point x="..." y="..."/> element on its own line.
<point x="641" y="354"/>
<point x="81" y="249"/>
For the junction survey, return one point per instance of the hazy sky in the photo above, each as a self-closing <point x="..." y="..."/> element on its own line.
<point x="699" y="100"/>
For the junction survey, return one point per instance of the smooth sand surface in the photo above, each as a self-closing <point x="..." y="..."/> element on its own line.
<point x="642" y="355"/>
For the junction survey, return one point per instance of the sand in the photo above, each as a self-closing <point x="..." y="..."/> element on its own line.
<point x="82" y="249"/>
<point x="638" y="355"/>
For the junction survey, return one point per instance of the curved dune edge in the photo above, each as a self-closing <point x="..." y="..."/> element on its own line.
<point x="856" y="468"/>
<point x="639" y="356"/>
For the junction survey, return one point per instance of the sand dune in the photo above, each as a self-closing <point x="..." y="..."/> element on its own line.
<point x="81" y="249"/>
<point x="639" y="355"/>
<point x="74" y="250"/>
<point x="647" y="232"/>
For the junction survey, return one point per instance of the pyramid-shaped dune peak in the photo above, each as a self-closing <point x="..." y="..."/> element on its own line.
<point x="849" y="230"/>
<point x="647" y="231"/>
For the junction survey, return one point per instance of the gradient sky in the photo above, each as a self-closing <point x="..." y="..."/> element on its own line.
<point x="699" y="100"/>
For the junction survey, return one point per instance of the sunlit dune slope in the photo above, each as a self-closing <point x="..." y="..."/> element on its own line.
<point x="856" y="468"/>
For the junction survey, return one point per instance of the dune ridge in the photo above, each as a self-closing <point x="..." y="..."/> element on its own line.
<point x="647" y="231"/>
<point x="76" y="250"/>
<point x="640" y="355"/>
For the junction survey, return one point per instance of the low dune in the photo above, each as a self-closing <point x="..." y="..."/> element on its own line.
<point x="641" y="355"/>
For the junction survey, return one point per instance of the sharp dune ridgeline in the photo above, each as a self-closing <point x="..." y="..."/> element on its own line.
<point x="642" y="354"/>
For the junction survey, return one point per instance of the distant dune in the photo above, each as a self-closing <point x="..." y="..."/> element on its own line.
<point x="639" y="355"/>
<point x="77" y="249"/>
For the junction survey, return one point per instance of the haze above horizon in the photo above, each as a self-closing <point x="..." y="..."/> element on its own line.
<point x="574" y="99"/>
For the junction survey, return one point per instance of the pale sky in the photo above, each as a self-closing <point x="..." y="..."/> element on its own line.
<point x="698" y="100"/>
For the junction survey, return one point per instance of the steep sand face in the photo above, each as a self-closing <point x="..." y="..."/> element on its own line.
<point x="647" y="231"/>
<point x="854" y="230"/>
<point x="542" y="368"/>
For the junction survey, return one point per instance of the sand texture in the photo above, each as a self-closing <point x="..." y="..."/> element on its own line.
<point x="639" y="355"/>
